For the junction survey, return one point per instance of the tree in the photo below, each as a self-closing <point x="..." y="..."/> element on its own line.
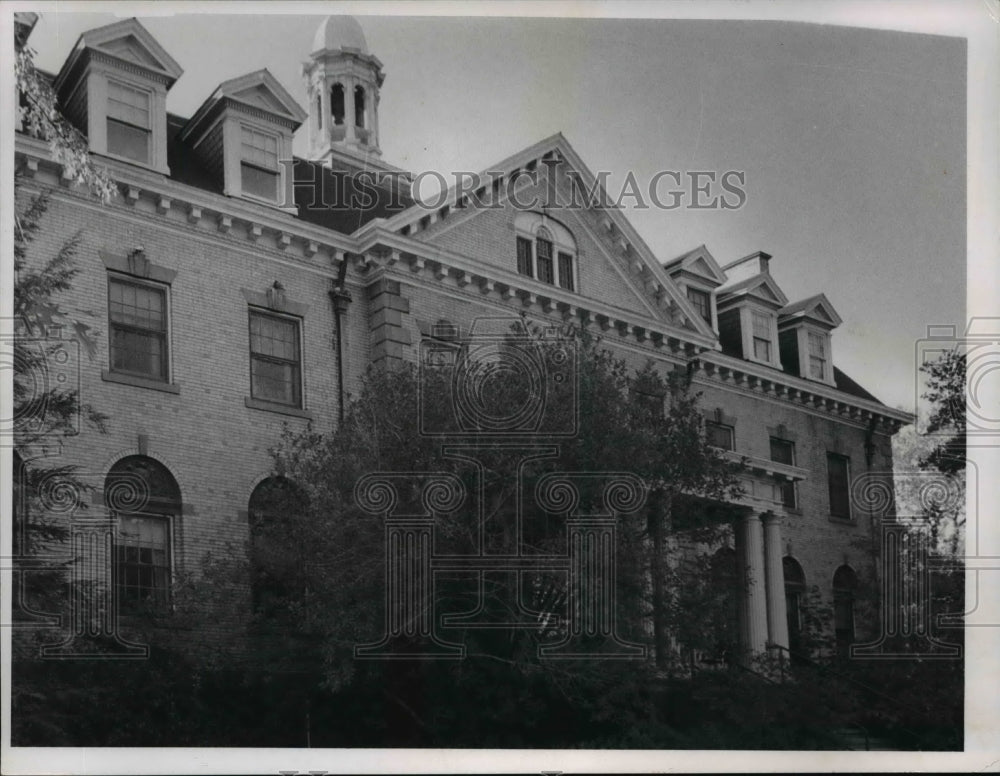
<point x="946" y="391"/>
<point x="641" y="422"/>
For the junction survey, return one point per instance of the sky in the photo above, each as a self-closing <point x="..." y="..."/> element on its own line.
<point x="852" y="141"/>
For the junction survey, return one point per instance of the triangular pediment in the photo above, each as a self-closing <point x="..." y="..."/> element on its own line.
<point x="262" y="90"/>
<point x="616" y="267"/>
<point x="761" y="287"/>
<point x="815" y="308"/>
<point x="129" y="41"/>
<point x="698" y="263"/>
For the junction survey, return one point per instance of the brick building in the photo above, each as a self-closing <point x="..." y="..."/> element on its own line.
<point x="233" y="304"/>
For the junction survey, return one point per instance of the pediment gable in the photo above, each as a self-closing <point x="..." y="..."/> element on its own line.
<point x="761" y="287"/>
<point x="698" y="263"/>
<point x="130" y="42"/>
<point x="815" y="308"/>
<point x="262" y="90"/>
<point x="623" y="270"/>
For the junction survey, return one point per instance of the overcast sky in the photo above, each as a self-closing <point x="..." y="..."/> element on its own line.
<point x="852" y="140"/>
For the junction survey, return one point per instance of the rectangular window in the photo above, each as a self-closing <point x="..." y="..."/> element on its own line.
<point x="701" y="301"/>
<point x="142" y="562"/>
<point x="275" y="364"/>
<point x="817" y="356"/>
<point x="138" y="324"/>
<point x="839" y="480"/>
<point x="719" y="435"/>
<point x="259" y="165"/>
<point x="524" y="256"/>
<point x="783" y="451"/>
<point x="128" y="122"/>
<point x="761" y="336"/>
<point x="566" y="271"/>
<point x="543" y="261"/>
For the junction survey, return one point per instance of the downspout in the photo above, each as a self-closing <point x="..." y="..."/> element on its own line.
<point x="341" y="299"/>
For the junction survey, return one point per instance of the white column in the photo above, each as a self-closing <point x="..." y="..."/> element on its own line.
<point x="325" y="134"/>
<point x="753" y="604"/>
<point x="777" y="619"/>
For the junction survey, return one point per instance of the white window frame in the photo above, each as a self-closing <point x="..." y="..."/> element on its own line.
<point x="148" y="93"/>
<point x="168" y="520"/>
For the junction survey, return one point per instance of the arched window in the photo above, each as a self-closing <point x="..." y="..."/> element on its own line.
<point x="337" y="104"/>
<point x="359" y="106"/>
<point x="845" y="584"/>
<point x="319" y="111"/>
<point x="144" y="497"/>
<point x="795" y="590"/>
<point x="275" y="508"/>
<point x="546" y="250"/>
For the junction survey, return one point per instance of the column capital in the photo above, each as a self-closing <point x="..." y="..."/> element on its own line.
<point x="771" y="518"/>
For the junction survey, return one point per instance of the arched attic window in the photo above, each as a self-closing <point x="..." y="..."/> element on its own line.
<point x="546" y="250"/>
<point x="144" y="497"/>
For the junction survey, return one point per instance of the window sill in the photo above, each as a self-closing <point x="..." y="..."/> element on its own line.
<point x="281" y="409"/>
<point x="139" y="382"/>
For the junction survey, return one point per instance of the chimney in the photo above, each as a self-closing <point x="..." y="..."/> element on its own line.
<point x="749" y="266"/>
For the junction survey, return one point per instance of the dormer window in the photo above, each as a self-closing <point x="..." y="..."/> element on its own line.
<point x="128" y="122"/>
<point x="259" y="170"/>
<point x="698" y="275"/>
<point x="806" y="348"/>
<point x="546" y="250"/>
<point x="113" y="88"/>
<point x="243" y="132"/>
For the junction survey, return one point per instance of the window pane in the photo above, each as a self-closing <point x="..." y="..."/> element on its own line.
<point x="259" y="183"/>
<point x="524" y="256"/>
<point x="700" y="300"/>
<point x="566" y="271"/>
<point x="128" y="141"/>
<point x="271" y="336"/>
<point x="142" y="561"/>
<point x="817" y="344"/>
<point x="761" y="349"/>
<point x="543" y="261"/>
<point x="259" y="148"/>
<point x="719" y="435"/>
<point x="817" y="368"/>
<point x="274" y="381"/>
<point x="128" y="104"/>
<point x="782" y="451"/>
<point x="761" y="325"/>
